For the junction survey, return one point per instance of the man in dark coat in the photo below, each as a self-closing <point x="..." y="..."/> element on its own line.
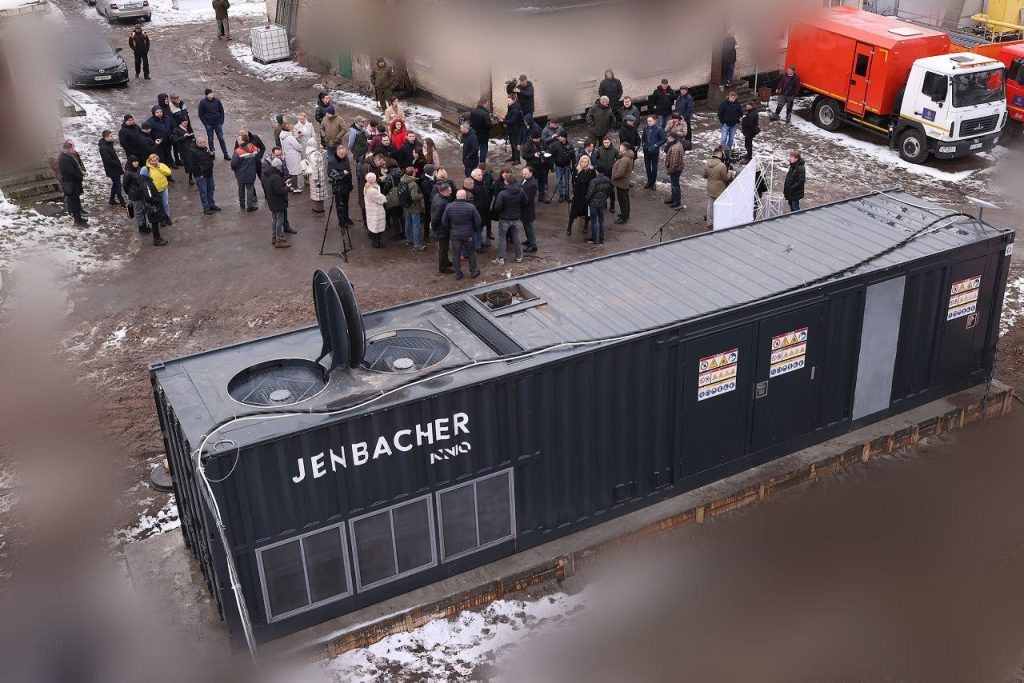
<point x="440" y="201"/>
<point x="129" y="135"/>
<point x="339" y="170"/>
<point x="211" y="115"/>
<point x="146" y="202"/>
<point x="480" y="122"/>
<point x="661" y="102"/>
<point x="525" y="95"/>
<point x="653" y="140"/>
<point x="684" y="107"/>
<point x="200" y="163"/>
<point x="531" y="189"/>
<point x="183" y="139"/>
<point x="600" y="119"/>
<point x="513" y="123"/>
<point x="729" y="114"/>
<point x="161" y="127"/>
<point x="796" y="176"/>
<point x="611" y="87"/>
<point x="533" y="155"/>
<point x="146" y="146"/>
<point x="483" y="184"/>
<point x="72" y="177"/>
<point x="629" y="132"/>
<point x="787" y="90"/>
<point x="509" y="207"/>
<point x="261" y="149"/>
<point x="461" y="221"/>
<point x="112" y="167"/>
<point x="138" y="41"/>
<point x="276" y="190"/>
<point x="729" y="46"/>
<point x="751" y="126"/>
<point x="470" y="149"/>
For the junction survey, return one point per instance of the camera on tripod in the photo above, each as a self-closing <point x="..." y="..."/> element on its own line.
<point x="337" y="178"/>
<point x="510" y="86"/>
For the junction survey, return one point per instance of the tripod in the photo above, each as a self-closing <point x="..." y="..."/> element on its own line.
<point x="346" y="238"/>
<point x="660" y="232"/>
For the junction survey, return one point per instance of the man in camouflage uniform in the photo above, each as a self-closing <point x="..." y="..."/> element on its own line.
<point x="384" y="81"/>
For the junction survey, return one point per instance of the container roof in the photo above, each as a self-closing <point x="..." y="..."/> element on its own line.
<point x="594" y="301"/>
<point x="870" y="28"/>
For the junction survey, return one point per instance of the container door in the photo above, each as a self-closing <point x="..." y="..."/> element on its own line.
<point x="967" y="313"/>
<point x="716" y="387"/>
<point x="785" y="390"/>
<point x="856" y="100"/>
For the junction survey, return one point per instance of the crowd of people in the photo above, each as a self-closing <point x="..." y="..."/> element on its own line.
<point x="400" y="182"/>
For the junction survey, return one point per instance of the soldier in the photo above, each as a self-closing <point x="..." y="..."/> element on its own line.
<point x="384" y="81"/>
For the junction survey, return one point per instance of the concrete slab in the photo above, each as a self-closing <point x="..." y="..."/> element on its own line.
<point x="164" y="570"/>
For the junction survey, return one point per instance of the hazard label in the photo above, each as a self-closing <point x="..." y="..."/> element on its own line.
<point x="717" y="374"/>
<point x="963" y="298"/>
<point x="789" y="353"/>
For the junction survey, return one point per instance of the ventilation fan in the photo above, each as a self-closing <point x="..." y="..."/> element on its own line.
<point x="405" y="351"/>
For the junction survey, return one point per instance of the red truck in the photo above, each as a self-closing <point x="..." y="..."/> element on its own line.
<point x="898" y="80"/>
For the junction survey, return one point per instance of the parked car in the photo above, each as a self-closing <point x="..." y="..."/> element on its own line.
<point x="91" y="60"/>
<point x="124" y="9"/>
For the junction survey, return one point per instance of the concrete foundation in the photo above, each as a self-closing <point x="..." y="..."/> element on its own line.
<point x="165" y="574"/>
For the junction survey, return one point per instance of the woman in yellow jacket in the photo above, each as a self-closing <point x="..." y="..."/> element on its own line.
<point x="160" y="174"/>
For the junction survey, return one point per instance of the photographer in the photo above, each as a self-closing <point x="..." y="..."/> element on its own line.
<point x="524" y="94"/>
<point x="339" y="172"/>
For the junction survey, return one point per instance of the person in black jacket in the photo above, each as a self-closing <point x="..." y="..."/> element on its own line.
<point x="480" y="122"/>
<point x="793" y="189"/>
<point x="200" y="162"/>
<point x="161" y="127"/>
<point x="72" y="177"/>
<point x="531" y="189"/>
<point x="183" y="140"/>
<point x="112" y="167"/>
<point x="461" y="221"/>
<point x="211" y="115"/>
<point x="440" y="201"/>
<point x="138" y="41"/>
<point x="339" y="171"/>
<point x="276" y="190"/>
<point x="598" y="192"/>
<point x="145" y="146"/>
<point x="513" y="123"/>
<point x="729" y="114"/>
<point x="729" y="46"/>
<point x="533" y="155"/>
<point x="751" y="126"/>
<point x="564" y="156"/>
<point x="787" y="90"/>
<point x="470" y="148"/>
<point x="129" y="135"/>
<point x="611" y="87"/>
<point x="509" y="207"/>
<point x="630" y="133"/>
<point x="661" y="102"/>
<point x="483" y="184"/>
<point x="525" y="96"/>
<point x="146" y="202"/>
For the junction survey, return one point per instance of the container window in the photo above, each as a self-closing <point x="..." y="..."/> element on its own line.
<point x="305" y="572"/>
<point x="393" y="543"/>
<point x="862" y="65"/>
<point x="476" y="515"/>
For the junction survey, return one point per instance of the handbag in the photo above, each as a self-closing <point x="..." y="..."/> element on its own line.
<point x="305" y="167"/>
<point x="131" y="210"/>
<point x="687" y="145"/>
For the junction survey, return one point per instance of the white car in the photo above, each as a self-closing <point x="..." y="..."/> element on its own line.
<point x="124" y="9"/>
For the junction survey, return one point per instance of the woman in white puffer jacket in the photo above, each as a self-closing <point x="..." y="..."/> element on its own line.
<point x="316" y="169"/>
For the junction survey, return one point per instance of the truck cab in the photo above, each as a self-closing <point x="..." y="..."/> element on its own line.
<point x="953" y="105"/>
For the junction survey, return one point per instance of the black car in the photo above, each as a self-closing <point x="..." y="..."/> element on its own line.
<point x="90" y="60"/>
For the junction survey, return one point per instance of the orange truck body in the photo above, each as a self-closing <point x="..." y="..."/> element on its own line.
<point x="1006" y="53"/>
<point x="827" y="47"/>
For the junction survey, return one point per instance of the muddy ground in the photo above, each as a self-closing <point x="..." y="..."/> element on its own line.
<point x="220" y="281"/>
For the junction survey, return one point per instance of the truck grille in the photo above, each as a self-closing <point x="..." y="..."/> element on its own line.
<point x="978" y="126"/>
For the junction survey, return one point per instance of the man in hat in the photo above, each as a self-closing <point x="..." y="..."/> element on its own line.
<point x="787" y="90"/>
<point x="138" y="41"/>
<point x="335" y="131"/>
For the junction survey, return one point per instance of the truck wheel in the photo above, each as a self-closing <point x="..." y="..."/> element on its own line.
<point x="828" y="114"/>
<point x="912" y="146"/>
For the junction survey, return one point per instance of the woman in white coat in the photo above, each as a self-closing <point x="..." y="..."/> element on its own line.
<point x="316" y="169"/>
<point x="293" y="153"/>
<point x="303" y="129"/>
<point x="376" y="217"/>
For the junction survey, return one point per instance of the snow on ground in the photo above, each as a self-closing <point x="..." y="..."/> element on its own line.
<point x="275" y="71"/>
<point x="1013" y="305"/>
<point x="24" y="232"/>
<point x="452" y="649"/>
<point x="8" y="491"/>
<point x="165" y="519"/>
<point x="196" y="11"/>
<point x="12" y="4"/>
<point x="419" y="119"/>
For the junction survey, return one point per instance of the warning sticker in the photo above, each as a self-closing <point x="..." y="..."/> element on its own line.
<point x="789" y="352"/>
<point x="717" y="374"/>
<point x="963" y="298"/>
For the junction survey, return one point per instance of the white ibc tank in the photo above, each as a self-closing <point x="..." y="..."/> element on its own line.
<point x="269" y="44"/>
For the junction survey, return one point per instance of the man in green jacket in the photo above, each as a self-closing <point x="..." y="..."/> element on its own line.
<point x="384" y="81"/>
<point x="220" y="10"/>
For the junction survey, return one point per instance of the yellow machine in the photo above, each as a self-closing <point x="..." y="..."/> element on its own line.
<point x="1003" y="16"/>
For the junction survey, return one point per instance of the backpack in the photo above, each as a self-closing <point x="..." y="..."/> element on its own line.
<point x="404" y="195"/>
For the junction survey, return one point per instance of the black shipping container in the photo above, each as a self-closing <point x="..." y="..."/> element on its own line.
<point x="490" y="420"/>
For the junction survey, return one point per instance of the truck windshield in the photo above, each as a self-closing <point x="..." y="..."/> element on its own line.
<point x="978" y="88"/>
